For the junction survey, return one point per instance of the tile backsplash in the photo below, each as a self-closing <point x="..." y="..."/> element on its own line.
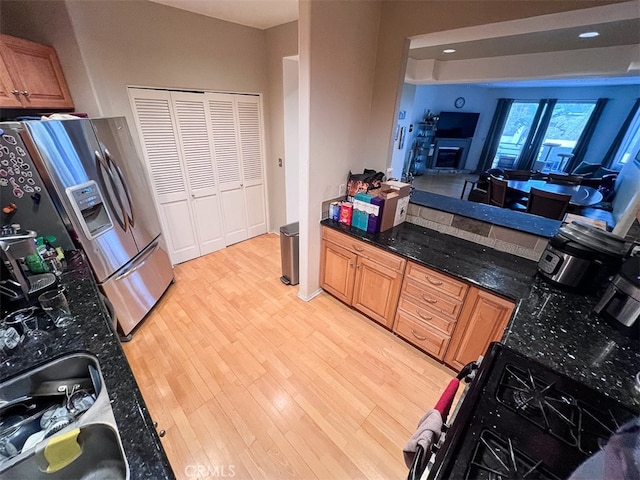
<point x="500" y="238"/>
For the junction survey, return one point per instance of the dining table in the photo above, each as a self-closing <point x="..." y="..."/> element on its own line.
<point x="581" y="195"/>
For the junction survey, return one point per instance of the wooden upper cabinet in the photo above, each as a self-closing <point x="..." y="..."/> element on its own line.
<point x="31" y="76"/>
<point x="482" y="321"/>
<point x="9" y="95"/>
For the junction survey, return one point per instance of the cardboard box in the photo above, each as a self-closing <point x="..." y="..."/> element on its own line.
<point x="403" y="189"/>
<point x="388" y="209"/>
<point x="396" y="202"/>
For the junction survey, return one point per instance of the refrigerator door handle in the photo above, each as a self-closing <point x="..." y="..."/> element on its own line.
<point x="118" y="213"/>
<point x="113" y="166"/>
<point x="139" y="262"/>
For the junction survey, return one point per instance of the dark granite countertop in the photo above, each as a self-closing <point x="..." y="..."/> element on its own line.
<point x="550" y="325"/>
<point x="508" y="275"/>
<point x="92" y="333"/>
<point x="524" y="222"/>
<point x="560" y="330"/>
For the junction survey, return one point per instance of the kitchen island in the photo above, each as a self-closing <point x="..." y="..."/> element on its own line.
<point x="91" y="333"/>
<point x="552" y="326"/>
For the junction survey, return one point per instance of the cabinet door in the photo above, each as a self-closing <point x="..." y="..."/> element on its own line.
<point x="8" y="99"/>
<point x="482" y="321"/>
<point x="36" y="72"/>
<point x="376" y="291"/>
<point x="337" y="271"/>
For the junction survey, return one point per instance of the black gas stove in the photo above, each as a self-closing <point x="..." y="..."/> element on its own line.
<point x="521" y="419"/>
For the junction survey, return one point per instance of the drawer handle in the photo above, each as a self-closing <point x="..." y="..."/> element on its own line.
<point x="423" y="316"/>
<point x="358" y="249"/>
<point x="437" y="283"/>
<point x="351" y="265"/>
<point x="427" y="299"/>
<point x="417" y="336"/>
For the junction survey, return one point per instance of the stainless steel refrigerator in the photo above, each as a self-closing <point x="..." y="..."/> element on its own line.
<point x="88" y="170"/>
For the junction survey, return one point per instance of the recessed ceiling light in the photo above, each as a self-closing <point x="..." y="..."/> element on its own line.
<point x="589" y="34"/>
<point x="449" y="50"/>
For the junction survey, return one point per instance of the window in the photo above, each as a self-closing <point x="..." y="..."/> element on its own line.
<point x="565" y="127"/>
<point x="630" y="146"/>
<point x="514" y="134"/>
<point x="556" y="134"/>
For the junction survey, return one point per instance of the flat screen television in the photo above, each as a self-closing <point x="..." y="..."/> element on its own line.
<point x="457" y="124"/>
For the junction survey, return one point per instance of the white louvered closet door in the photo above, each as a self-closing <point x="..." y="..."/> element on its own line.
<point x="192" y="123"/>
<point x="226" y="147"/>
<point x="250" y="136"/>
<point x="157" y="132"/>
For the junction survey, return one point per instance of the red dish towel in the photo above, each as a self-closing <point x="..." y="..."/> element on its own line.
<point x="444" y="404"/>
<point x="427" y="433"/>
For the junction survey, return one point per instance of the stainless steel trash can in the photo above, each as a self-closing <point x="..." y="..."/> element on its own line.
<point x="289" y="251"/>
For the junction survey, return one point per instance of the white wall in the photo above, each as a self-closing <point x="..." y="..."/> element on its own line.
<point x="400" y="155"/>
<point x="481" y="99"/>
<point x="104" y="46"/>
<point x="337" y="61"/>
<point x="282" y="41"/>
<point x="439" y="98"/>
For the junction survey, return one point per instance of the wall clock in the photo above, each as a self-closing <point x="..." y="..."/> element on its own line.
<point x="459" y="103"/>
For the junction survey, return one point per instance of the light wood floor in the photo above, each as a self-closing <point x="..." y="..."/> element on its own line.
<point x="447" y="184"/>
<point x="246" y="377"/>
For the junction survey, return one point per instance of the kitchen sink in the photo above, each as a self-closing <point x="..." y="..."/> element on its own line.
<point x="56" y="422"/>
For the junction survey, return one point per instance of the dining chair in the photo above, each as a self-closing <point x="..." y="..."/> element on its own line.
<point x="497" y="191"/>
<point x="548" y="204"/>
<point x="564" y="179"/>
<point x="517" y="174"/>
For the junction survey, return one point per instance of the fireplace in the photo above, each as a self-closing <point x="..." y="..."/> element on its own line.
<point x="448" y="157"/>
<point x="450" y="153"/>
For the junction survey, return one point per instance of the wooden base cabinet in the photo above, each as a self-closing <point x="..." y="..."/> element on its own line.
<point x="482" y="321"/>
<point x="31" y="76"/>
<point x="338" y="272"/>
<point x="443" y="316"/>
<point x="362" y="276"/>
<point x="429" y="307"/>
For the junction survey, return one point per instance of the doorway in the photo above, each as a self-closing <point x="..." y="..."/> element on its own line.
<point x="291" y="137"/>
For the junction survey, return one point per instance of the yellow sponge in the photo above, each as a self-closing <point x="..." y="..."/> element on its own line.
<point x="62" y="450"/>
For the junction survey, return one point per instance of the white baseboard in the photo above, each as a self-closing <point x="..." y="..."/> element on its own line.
<point x="310" y="297"/>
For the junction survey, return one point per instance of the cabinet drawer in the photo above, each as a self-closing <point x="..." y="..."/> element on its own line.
<point x="364" y="249"/>
<point x="428" y="339"/>
<point x="431" y="299"/>
<point x="438" y="281"/>
<point x="410" y="307"/>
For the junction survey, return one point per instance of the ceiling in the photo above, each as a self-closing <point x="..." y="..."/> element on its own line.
<point x="264" y="14"/>
<point x="624" y="32"/>
<point x="260" y="14"/>
<point x="535" y="51"/>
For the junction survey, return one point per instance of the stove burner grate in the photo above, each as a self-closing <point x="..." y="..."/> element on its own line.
<point x="539" y="402"/>
<point x="597" y="425"/>
<point x="497" y="459"/>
